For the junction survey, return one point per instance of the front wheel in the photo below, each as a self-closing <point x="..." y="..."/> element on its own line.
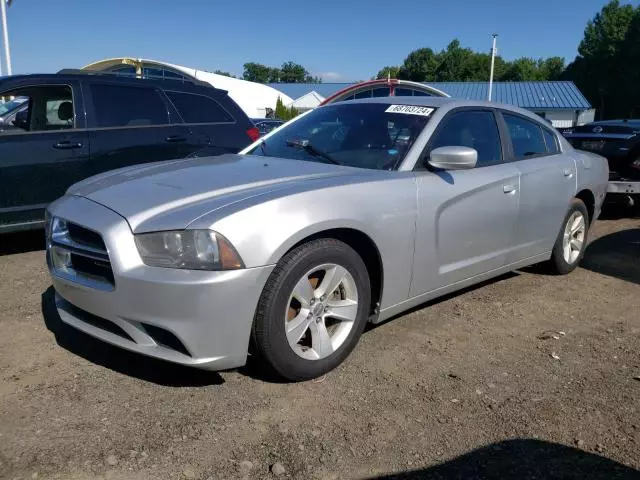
<point x="313" y="309"/>
<point x="572" y="239"/>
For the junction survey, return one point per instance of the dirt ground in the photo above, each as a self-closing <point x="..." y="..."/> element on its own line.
<point x="527" y="376"/>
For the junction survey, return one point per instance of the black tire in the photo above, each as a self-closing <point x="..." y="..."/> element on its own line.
<point x="557" y="264"/>
<point x="269" y="335"/>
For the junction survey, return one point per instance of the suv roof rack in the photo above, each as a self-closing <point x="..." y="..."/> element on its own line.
<point x="184" y="79"/>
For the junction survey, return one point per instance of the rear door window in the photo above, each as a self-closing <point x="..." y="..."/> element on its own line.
<point x="526" y="137"/>
<point x="123" y="106"/>
<point x="195" y="108"/>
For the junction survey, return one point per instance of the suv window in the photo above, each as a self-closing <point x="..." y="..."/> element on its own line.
<point x="471" y="128"/>
<point x="526" y="136"/>
<point x="121" y="106"/>
<point x="49" y="108"/>
<point x="199" y="108"/>
<point x="551" y="141"/>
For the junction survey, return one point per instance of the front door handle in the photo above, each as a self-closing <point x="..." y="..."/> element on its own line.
<point x="175" y="138"/>
<point x="67" y="145"/>
<point x="509" y="189"/>
<point x="568" y="172"/>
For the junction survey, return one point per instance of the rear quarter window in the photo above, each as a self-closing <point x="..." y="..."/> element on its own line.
<point x="195" y="108"/>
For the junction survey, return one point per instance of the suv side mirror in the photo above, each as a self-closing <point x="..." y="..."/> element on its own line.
<point x="453" y="158"/>
<point x="22" y="120"/>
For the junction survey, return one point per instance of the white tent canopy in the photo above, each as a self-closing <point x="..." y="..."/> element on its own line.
<point x="253" y="98"/>
<point x="306" y="102"/>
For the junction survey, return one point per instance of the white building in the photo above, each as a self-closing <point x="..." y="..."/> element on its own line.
<point x="253" y="98"/>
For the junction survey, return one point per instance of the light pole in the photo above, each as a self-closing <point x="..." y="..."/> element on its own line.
<point x="7" y="53"/>
<point x="493" y="58"/>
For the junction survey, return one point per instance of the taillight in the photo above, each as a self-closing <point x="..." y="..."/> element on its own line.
<point x="254" y="134"/>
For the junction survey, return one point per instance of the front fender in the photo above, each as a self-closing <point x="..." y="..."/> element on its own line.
<point x="385" y="211"/>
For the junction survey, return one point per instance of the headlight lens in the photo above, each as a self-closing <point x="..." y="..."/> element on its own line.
<point x="188" y="249"/>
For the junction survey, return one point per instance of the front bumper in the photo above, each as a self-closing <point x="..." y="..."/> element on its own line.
<point x="208" y="313"/>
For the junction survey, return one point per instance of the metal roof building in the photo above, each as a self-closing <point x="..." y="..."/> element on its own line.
<point x="560" y="102"/>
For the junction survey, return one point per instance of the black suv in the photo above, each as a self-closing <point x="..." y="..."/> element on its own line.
<point x="79" y="124"/>
<point x="619" y="142"/>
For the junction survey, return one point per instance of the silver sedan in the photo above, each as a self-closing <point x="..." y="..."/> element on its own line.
<point x="351" y="213"/>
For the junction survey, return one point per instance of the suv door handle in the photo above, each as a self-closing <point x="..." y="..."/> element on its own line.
<point x="509" y="188"/>
<point x="67" y="145"/>
<point x="175" y="138"/>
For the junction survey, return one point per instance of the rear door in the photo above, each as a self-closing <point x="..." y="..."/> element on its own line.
<point x="132" y="124"/>
<point x="218" y="124"/>
<point x="466" y="218"/>
<point x="45" y="152"/>
<point x="547" y="184"/>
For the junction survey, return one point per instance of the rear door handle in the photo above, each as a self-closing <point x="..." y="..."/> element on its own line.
<point x="509" y="188"/>
<point x="568" y="172"/>
<point x="66" y="145"/>
<point x="175" y="138"/>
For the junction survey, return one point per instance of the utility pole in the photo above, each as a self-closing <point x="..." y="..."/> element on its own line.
<point x="493" y="59"/>
<point x="7" y="54"/>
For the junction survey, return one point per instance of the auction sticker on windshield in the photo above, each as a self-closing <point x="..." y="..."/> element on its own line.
<point x="410" y="110"/>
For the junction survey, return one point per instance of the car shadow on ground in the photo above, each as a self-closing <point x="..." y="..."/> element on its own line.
<point x="259" y="370"/>
<point x="119" y="360"/>
<point x="21" y="242"/>
<point x="616" y="255"/>
<point x="523" y="459"/>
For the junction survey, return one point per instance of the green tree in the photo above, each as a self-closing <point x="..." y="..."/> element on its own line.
<point x="524" y="69"/>
<point x="603" y="65"/>
<point x="552" y="68"/>
<point x="226" y="74"/>
<point x="454" y="64"/>
<point x="388" y="72"/>
<point x="420" y="66"/>
<point x="256" y="72"/>
<point x="284" y="113"/>
<point x="292" y="72"/>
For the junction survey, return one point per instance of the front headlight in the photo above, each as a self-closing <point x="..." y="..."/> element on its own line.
<point x="188" y="249"/>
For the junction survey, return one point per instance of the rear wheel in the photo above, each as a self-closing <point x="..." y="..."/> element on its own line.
<point x="313" y="309"/>
<point x="572" y="239"/>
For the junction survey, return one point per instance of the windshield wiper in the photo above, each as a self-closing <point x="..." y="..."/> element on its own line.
<point x="306" y="145"/>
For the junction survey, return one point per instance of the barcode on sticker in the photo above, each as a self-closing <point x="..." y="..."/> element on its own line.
<point x="410" y="110"/>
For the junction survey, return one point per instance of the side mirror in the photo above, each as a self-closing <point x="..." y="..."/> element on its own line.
<point x="22" y="120"/>
<point x="453" y="158"/>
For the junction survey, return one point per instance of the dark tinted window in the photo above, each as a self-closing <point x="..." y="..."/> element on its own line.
<point x="474" y="129"/>
<point x="526" y="137"/>
<point x="551" y="141"/>
<point x="120" y="106"/>
<point x="199" y="109"/>
<point x="363" y="94"/>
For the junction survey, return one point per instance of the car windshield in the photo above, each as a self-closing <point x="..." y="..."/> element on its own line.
<point x="364" y="135"/>
<point x="8" y="106"/>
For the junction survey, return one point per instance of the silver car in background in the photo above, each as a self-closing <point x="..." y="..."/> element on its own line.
<point x="353" y="212"/>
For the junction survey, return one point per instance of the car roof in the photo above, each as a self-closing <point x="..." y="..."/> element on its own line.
<point x="164" y="83"/>
<point x="448" y="102"/>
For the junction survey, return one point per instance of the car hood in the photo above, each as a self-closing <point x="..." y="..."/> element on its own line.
<point x="172" y="194"/>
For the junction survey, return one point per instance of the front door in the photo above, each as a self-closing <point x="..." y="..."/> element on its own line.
<point x="466" y="218"/>
<point x="45" y="152"/>
<point x="547" y="185"/>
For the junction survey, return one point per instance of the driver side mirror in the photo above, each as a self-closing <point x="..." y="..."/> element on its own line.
<point x="22" y="120"/>
<point x="453" y="158"/>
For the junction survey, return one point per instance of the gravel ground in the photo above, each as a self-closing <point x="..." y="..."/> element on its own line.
<point x="527" y="376"/>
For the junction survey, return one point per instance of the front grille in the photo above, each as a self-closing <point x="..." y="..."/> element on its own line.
<point x="86" y="237"/>
<point x="84" y="256"/>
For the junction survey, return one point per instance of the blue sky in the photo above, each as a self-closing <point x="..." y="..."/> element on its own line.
<point x="342" y="40"/>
